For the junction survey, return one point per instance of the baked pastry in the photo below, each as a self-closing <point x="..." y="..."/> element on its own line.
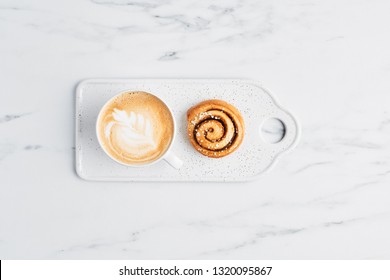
<point x="215" y="128"/>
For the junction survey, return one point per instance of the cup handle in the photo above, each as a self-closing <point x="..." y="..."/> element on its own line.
<point x="173" y="160"/>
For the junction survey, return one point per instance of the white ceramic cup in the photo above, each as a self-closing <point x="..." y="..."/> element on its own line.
<point x="168" y="155"/>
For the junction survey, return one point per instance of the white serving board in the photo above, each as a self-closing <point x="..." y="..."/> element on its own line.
<point x="252" y="158"/>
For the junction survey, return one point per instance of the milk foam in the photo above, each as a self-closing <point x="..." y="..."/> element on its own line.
<point x="135" y="128"/>
<point x="131" y="133"/>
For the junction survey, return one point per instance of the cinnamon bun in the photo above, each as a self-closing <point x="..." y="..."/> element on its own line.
<point x="215" y="128"/>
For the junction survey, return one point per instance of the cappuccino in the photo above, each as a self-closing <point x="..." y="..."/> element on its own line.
<point x="135" y="128"/>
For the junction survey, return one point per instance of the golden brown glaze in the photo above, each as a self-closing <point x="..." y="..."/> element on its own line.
<point x="215" y="128"/>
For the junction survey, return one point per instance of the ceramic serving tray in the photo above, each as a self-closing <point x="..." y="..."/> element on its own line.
<point x="251" y="159"/>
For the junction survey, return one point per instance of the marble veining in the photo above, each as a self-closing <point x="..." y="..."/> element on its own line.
<point x="327" y="61"/>
<point x="11" y="117"/>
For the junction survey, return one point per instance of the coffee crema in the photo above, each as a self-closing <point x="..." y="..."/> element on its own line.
<point x="135" y="128"/>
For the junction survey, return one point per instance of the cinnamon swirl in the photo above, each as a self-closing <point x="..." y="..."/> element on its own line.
<point x="215" y="128"/>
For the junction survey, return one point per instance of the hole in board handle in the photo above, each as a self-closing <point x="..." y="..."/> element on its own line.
<point x="273" y="130"/>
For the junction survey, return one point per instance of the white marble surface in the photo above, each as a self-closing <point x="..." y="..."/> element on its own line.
<point x="326" y="61"/>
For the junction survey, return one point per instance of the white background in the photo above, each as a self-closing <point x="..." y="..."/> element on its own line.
<point x="302" y="270"/>
<point x="326" y="61"/>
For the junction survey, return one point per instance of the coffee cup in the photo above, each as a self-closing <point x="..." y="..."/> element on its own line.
<point x="136" y="129"/>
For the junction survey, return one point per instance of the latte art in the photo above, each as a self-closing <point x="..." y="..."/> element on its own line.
<point x="131" y="133"/>
<point x="135" y="128"/>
